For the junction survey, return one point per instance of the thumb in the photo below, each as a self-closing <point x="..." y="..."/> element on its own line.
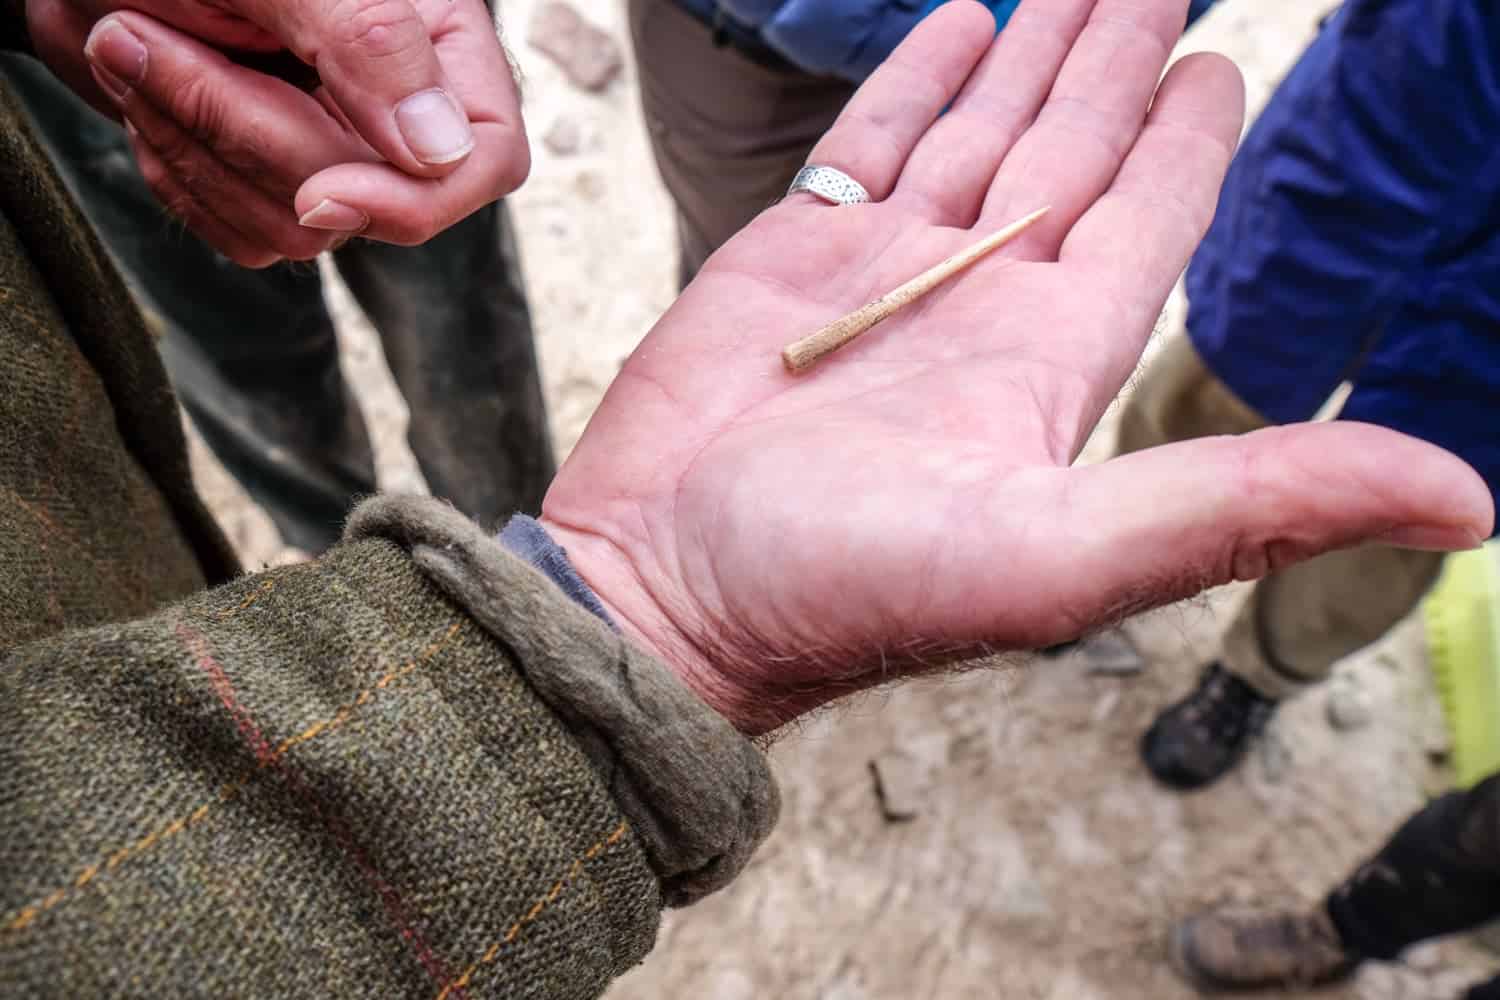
<point x="377" y="61"/>
<point x="1166" y="523"/>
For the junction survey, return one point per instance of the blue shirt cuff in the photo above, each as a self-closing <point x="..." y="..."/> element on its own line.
<point x="525" y="537"/>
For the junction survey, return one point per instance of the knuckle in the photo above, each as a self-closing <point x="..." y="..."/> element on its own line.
<point x="513" y="171"/>
<point x="245" y="149"/>
<point x="196" y="105"/>
<point x="379" y="29"/>
<point x="416" y="228"/>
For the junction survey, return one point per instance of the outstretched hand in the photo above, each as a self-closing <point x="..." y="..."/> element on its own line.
<point x="411" y="120"/>
<point x="781" y="540"/>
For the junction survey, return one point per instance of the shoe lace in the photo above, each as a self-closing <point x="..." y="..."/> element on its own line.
<point x="1226" y="707"/>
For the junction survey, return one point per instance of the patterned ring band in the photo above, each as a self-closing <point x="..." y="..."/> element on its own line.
<point x="830" y="184"/>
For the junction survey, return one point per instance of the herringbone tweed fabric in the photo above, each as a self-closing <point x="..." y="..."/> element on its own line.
<point x="98" y="518"/>
<point x="325" y="780"/>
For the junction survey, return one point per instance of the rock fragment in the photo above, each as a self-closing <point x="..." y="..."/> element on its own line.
<point x="564" y="138"/>
<point x="1347" y="707"/>
<point x="901" y="784"/>
<point x="1274" y="756"/>
<point x="1111" y="654"/>
<point x="587" y="54"/>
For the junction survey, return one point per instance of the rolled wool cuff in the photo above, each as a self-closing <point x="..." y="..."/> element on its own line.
<point x="699" y="795"/>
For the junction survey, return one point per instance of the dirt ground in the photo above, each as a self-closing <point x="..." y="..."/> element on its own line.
<point x="1041" y="862"/>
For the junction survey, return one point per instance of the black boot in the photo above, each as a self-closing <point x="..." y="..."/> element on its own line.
<point x="1229" y="952"/>
<point x="1197" y="740"/>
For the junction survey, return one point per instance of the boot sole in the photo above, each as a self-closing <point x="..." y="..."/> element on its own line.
<point x="1208" y="985"/>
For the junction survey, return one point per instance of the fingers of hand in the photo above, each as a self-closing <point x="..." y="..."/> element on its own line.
<point x="410" y="210"/>
<point x="881" y="125"/>
<point x="378" y="61"/>
<point x="949" y="173"/>
<point x="1136" y="239"/>
<point x="184" y="172"/>
<point x="406" y="205"/>
<point x="1169" y="522"/>
<point x="174" y="196"/>
<point x="238" y="142"/>
<point x="219" y="23"/>
<point x="1091" y="117"/>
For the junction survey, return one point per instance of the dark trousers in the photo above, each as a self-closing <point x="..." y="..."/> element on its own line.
<point x="1440" y="874"/>
<point x="253" y="356"/>
<point x="729" y="133"/>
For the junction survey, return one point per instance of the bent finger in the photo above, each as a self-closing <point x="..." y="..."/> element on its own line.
<point x="377" y="59"/>
<point x="409" y="210"/>
<point x="265" y="221"/>
<point x="179" y="203"/>
<point x="259" y="125"/>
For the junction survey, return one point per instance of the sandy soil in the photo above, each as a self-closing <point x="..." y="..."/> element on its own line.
<point x="1041" y="863"/>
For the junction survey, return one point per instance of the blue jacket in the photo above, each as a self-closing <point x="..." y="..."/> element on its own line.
<point x="1358" y="234"/>
<point x="846" y="38"/>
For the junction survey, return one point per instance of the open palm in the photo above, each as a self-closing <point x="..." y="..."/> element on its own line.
<point x="782" y="539"/>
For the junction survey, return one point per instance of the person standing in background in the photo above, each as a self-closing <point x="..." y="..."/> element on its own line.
<point x="1353" y="263"/>
<point x="737" y="92"/>
<point x="253" y="356"/>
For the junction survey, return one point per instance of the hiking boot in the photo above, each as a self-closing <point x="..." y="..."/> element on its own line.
<point x="1231" y="952"/>
<point x="1197" y="740"/>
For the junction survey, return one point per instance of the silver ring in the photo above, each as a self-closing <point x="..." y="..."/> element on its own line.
<point x="829" y="183"/>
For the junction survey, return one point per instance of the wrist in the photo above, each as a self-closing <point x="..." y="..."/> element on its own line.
<point x="621" y="591"/>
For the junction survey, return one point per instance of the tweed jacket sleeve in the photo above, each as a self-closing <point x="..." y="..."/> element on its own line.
<point x="411" y="768"/>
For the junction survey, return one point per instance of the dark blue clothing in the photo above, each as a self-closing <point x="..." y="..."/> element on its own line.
<point x="1358" y="234"/>
<point x="844" y="38"/>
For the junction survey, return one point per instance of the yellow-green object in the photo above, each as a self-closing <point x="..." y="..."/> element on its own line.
<point x="1463" y="640"/>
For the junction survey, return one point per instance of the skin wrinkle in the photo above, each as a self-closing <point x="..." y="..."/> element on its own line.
<point x="881" y="128"/>
<point x="832" y="297"/>
<point x="1060" y="112"/>
<point x="689" y="624"/>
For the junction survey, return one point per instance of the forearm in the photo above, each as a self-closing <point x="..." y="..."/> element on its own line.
<point x="412" y="766"/>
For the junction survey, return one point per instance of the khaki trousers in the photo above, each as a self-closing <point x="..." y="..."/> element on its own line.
<point x="728" y="132"/>
<point x="1300" y="621"/>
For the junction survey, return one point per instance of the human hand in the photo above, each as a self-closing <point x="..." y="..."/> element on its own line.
<point x="414" y="122"/>
<point x="781" y="540"/>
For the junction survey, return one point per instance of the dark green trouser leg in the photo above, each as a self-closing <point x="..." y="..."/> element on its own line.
<point x="253" y="355"/>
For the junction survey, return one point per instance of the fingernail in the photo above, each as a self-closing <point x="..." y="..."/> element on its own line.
<point x="113" y="49"/>
<point x="336" y="217"/>
<point x="1432" y="538"/>
<point x="435" y="128"/>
